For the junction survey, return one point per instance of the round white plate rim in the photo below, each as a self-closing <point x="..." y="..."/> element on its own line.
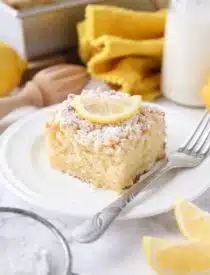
<point x="11" y="183"/>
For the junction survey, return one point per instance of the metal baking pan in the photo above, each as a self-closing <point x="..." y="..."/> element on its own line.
<point x="50" y="28"/>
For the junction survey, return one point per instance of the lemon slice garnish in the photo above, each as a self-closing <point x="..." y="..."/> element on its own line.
<point x="107" y="109"/>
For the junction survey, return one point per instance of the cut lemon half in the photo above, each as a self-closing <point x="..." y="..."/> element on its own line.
<point x="193" y="222"/>
<point x="107" y="109"/>
<point x="177" y="257"/>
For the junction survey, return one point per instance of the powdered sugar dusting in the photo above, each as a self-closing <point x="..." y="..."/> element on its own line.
<point x="97" y="134"/>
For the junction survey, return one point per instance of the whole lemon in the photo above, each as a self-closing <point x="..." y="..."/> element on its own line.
<point x="12" y="67"/>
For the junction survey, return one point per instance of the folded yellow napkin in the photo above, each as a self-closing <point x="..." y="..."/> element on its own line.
<point x="123" y="48"/>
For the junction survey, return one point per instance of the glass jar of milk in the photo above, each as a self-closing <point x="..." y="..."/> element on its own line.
<point x="186" y="57"/>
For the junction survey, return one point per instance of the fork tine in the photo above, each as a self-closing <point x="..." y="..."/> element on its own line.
<point x="207" y="150"/>
<point x="204" y="142"/>
<point x="206" y="147"/>
<point x="200" y="127"/>
<point x="198" y="135"/>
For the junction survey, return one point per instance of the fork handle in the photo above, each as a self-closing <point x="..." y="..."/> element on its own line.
<point x="91" y="229"/>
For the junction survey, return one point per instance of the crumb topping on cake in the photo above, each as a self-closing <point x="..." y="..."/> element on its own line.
<point x="102" y="135"/>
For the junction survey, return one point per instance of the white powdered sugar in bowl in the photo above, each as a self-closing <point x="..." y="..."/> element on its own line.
<point x="31" y="245"/>
<point x="19" y="258"/>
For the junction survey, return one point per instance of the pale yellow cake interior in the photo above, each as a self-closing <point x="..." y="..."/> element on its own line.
<point x="113" y="169"/>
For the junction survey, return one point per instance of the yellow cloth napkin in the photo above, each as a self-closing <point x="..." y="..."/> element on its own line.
<point x="123" y="48"/>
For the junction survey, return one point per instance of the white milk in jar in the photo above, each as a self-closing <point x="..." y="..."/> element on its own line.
<point x="186" y="64"/>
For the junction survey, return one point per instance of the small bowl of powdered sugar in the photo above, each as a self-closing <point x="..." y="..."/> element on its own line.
<point x="30" y="245"/>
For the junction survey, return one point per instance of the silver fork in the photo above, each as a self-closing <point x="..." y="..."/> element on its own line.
<point x="189" y="155"/>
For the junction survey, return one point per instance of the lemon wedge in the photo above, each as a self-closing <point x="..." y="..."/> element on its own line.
<point x="193" y="222"/>
<point x="205" y="95"/>
<point x="107" y="109"/>
<point x="177" y="257"/>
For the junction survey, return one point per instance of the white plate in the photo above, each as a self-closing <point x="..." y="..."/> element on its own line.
<point x="23" y="161"/>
